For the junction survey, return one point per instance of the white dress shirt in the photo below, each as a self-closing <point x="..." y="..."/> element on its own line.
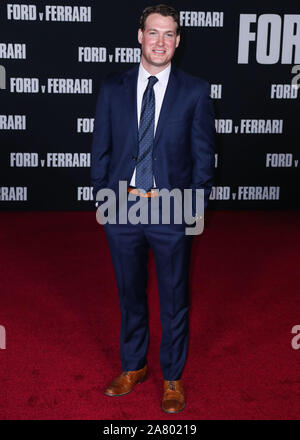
<point x="159" y="92"/>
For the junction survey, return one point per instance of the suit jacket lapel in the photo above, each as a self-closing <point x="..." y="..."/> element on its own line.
<point x="167" y="104"/>
<point x="130" y="82"/>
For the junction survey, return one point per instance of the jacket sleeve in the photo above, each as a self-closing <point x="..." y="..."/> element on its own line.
<point x="203" y="145"/>
<point x="101" y="145"/>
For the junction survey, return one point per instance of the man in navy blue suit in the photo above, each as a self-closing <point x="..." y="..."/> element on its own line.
<point x="154" y="129"/>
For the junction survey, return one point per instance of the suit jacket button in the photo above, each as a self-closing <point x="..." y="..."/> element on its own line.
<point x="133" y="157"/>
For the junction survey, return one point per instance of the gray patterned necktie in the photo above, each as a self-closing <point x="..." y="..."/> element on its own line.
<point x="144" y="173"/>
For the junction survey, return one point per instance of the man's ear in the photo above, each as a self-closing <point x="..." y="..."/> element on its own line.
<point x="140" y="36"/>
<point x="177" y="40"/>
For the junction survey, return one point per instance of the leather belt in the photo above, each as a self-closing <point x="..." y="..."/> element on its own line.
<point x="151" y="193"/>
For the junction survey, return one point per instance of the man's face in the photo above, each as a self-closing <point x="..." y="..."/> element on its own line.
<point x="159" y="40"/>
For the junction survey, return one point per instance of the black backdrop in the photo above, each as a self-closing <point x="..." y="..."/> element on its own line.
<point x="246" y="52"/>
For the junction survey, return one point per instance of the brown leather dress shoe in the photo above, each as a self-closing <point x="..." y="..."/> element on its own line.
<point x="124" y="383"/>
<point x="173" y="398"/>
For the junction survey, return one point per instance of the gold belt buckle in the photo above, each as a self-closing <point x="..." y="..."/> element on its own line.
<point x="151" y="193"/>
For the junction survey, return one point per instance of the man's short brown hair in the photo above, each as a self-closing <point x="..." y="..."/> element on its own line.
<point x="165" y="10"/>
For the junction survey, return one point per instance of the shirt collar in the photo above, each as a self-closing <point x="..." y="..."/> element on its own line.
<point x="162" y="76"/>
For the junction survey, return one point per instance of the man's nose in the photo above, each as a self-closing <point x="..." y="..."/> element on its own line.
<point x="161" y="40"/>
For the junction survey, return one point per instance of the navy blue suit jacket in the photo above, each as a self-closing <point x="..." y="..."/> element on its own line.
<point x="184" y="142"/>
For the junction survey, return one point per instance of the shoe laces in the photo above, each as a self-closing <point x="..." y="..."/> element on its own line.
<point x="171" y="385"/>
<point x="128" y="375"/>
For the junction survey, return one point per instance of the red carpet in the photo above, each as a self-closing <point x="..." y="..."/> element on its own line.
<point x="60" y="309"/>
